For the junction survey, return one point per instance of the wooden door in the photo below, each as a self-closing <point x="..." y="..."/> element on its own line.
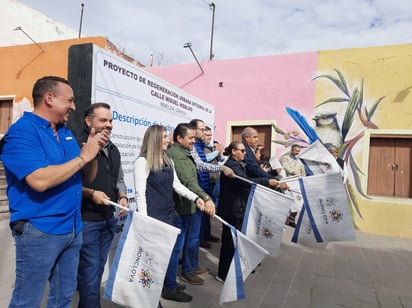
<point x="402" y="168"/>
<point x="381" y="179"/>
<point x="264" y="133"/>
<point x="390" y="162"/>
<point x="6" y="115"/>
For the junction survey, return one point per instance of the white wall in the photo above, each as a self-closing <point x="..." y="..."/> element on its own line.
<point x="38" y="26"/>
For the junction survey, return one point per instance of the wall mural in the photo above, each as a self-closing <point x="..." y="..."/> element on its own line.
<point x="331" y="132"/>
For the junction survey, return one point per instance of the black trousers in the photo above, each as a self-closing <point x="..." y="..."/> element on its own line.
<point x="227" y="249"/>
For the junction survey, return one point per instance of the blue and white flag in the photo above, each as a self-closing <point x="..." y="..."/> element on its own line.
<point x="138" y="270"/>
<point x="246" y="258"/>
<point x="318" y="160"/>
<point x="294" y="192"/>
<point x="325" y="215"/>
<point x="265" y="217"/>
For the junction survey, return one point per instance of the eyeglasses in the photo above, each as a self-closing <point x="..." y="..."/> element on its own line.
<point x="201" y="129"/>
<point x="242" y="150"/>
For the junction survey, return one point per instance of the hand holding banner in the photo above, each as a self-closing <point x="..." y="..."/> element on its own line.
<point x="142" y="257"/>
<point x="327" y="209"/>
<point x="265" y="216"/>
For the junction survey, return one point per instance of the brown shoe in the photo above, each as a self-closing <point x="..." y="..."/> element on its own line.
<point x="205" y="244"/>
<point x="201" y="270"/>
<point x="193" y="279"/>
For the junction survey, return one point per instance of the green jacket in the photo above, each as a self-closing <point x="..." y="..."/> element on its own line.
<point x="186" y="172"/>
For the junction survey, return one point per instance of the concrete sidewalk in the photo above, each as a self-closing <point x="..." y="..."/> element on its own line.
<point x="373" y="271"/>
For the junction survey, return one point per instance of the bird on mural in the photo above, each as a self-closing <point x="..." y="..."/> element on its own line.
<point x="327" y="128"/>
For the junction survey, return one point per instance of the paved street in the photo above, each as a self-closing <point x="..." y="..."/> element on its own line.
<point x="373" y="271"/>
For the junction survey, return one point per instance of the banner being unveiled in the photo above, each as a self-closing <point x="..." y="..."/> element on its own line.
<point x="246" y="257"/>
<point x="325" y="214"/>
<point x="139" y="99"/>
<point x="265" y="217"/>
<point x="139" y="266"/>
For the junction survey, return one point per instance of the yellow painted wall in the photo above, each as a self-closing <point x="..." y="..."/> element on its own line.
<point x="22" y="65"/>
<point x="387" y="71"/>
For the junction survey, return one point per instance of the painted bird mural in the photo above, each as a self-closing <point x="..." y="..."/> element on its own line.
<point x="327" y="128"/>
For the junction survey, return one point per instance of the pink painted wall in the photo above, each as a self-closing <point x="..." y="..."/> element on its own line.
<point x="253" y="88"/>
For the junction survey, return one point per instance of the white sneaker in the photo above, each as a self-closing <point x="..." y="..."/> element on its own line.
<point x="219" y="279"/>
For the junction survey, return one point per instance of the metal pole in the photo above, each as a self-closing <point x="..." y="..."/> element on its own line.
<point x="38" y="45"/>
<point x="213" y="7"/>
<point x="81" y="20"/>
<point x="189" y="45"/>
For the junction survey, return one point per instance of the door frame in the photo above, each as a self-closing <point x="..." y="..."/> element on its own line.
<point x="255" y="124"/>
<point x="387" y="133"/>
<point x="12" y="99"/>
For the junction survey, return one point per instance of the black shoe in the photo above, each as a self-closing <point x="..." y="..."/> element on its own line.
<point x="181" y="286"/>
<point x="177" y="296"/>
<point x="159" y="305"/>
<point x="205" y="244"/>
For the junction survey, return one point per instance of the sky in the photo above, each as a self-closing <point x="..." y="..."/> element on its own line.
<point x="241" y="28"/>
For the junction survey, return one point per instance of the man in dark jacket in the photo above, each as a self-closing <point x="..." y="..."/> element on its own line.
<point x="250" y="140"/>
<point x="99" y="223"/>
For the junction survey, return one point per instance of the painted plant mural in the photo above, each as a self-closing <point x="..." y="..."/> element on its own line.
<point x="330" y="131"/>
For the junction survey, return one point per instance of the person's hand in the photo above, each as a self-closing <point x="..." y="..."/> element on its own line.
<point x="273" y="182"/>
<point x="100" y="198"/>
<point x="200" y="204"/>
<point x="123" y="202"/>
<point x="219" y="148"/>
<point x="95" y="142"/>
<point x="210" y="208"/>
<point x="283" y="186"/>
<point x="228" y="172"/>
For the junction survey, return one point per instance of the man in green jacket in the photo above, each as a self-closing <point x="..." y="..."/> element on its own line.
<point x="179" y="152"/>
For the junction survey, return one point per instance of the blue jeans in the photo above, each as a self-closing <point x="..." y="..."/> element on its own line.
<point x="183" y="223"/>
<point x="206" y="227"/>
<point x="41" y="257"/>
<point x="191" y="247"/>
<point x="97" y="239"/>
<point x="215" y="194"/>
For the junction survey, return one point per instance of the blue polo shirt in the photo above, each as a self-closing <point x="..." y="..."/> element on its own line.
<point x="29" y="145"/>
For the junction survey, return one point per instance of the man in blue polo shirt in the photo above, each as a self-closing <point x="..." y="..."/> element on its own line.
<point x="42" y="162"/>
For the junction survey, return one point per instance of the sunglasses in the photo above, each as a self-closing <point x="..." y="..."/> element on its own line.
<point x="242" y="150"/>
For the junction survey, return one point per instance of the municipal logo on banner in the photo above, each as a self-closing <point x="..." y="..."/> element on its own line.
<point x="142" y="257"/>
<point x="265" y="216"/>
<point x="325" y="215"/>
